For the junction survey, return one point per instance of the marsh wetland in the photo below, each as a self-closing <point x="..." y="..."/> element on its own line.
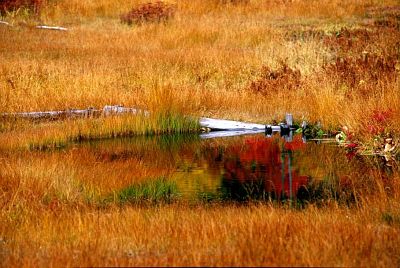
<point x="87" y="186"/>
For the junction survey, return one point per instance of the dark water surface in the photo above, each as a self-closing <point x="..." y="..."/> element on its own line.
<point x="253" y="167"/>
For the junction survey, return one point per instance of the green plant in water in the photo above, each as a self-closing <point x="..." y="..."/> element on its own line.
<point x="174" y="123"/>
<point x="152" y="191"/>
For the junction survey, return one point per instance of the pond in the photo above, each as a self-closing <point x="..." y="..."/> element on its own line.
<point x="237" y="169"/>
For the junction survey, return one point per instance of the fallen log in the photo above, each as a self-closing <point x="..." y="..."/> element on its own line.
<point x="56" y="28"/>
<point x="5" y="23"/>
<point x="74" y="113"/>
<point x="221" y="124"/>
<point x="43" y="27"/>
<point x="70" y="113"/>
<point x="214" y="127"/>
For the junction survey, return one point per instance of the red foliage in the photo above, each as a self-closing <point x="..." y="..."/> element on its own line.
<point x="379" y="120"/>
<point x="261" y="159"/>
<point x="382" y="116"/>
<point x="296" y="144"/>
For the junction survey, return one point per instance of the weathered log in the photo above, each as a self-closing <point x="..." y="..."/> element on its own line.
<point x="218" y="127"/>
<point x="56" y="28"/>
<point x="221" y="124"/>
<point x="119" y="109"/>
<point x="43" y="27"/>
<point x="5" y="23"/>
<point x="73" y="113"/>
<point x="89" y="112"/>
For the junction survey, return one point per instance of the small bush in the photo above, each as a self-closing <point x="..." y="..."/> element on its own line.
<point x="151" y="12"/>
<point x="13" y="5"/>
<point x="271" y="81"/>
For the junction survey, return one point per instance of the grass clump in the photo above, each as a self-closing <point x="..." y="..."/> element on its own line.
<point x="159" y="190"/>
<point x="150" y="12"/>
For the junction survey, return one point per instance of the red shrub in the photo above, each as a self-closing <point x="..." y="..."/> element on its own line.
<point x="379" y="120"/>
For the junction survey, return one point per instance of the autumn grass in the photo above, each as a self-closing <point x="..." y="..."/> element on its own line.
<point x="215" y="235"/>
<point x="202" y="62"/>
<point x="197" y="63"/>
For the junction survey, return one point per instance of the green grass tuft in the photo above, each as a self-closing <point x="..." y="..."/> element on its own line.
<point x="159" y="190"/>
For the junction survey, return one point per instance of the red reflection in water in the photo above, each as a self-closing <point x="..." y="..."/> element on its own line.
<point x="266" y="160"/>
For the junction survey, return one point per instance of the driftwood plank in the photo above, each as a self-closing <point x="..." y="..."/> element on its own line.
<point x="43" y="27"/>
<point x="56" y="28"/>
<point x="221" y="124"/>
<point x="5" y="23"/>
<point x="218" y="127"/>
<point x="72" y="113"/>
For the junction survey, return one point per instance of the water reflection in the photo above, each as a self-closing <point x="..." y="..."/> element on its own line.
<point x="241" y="168"/>
<point x="262" y="168"/>
<point x="271" y="168"/>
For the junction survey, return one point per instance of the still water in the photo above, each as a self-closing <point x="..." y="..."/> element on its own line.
<point x="252" y="167"/>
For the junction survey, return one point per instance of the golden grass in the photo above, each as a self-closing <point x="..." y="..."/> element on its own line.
<point x="200" y="63"/>
<point x="213" y="236"/>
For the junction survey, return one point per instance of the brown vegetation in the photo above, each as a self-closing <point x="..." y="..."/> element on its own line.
<point x="151" y="12"/>
<point x="12" y="5"/>
<point x="282" y="79"/>
<point x="365" y="75"/>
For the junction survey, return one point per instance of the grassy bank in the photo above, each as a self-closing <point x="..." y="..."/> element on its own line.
<point x="66" y="203"/>
<point x="198" y="62"/>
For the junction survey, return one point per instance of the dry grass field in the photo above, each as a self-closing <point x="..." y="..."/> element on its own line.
<point x="336" y="62"/>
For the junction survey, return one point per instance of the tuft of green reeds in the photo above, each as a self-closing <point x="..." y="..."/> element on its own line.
<point x="158" y="190"/>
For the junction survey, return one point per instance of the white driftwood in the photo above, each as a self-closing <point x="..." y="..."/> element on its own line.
<point x="53" y="114"/>
<point x="5" y="23"/>
<point x="44" y="27"/>
<point x="220" y="124"/>
<point x="106" y="111"/>
<point x="218" y="127"/>
<point x="119" y="109"/>
<point x="56" y="28"/>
